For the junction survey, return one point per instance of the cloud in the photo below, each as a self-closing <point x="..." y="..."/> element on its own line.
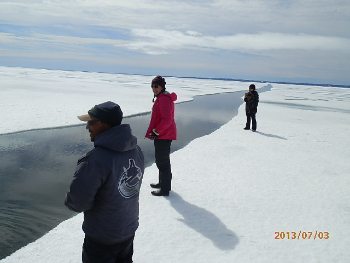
<point x="230" y="35"/>
<point x="156" y="42"/>
<point x="222" y="17"/>
<point x="161" y="41"/>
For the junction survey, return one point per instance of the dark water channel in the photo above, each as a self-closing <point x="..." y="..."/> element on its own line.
<point x="36" y="167"/>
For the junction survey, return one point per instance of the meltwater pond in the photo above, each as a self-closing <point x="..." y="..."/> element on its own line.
<point x="37" y="166"/>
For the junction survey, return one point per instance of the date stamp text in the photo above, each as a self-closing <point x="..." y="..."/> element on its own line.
<point x="302" y="235"/>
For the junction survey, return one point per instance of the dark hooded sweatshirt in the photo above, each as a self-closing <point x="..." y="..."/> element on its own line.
<point x="252" y="101"/>
<point x="106" y="186"/>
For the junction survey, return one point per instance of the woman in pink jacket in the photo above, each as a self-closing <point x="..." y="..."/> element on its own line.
<point x="162" y="129"/>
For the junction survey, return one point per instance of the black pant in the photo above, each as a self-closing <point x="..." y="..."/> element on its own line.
<point x="95" y="252"/>
<point x="251" y="116"/>
<point x="162" y="156"/>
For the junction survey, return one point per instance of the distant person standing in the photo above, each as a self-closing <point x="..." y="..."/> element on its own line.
<point x="251" y="99"/>
<point x="106" y="187"/>
<point x="162" y="129"/>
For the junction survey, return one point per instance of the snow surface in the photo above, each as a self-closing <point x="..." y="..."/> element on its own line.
<point x="34" y="98"/>
<point x="232" y="189"/>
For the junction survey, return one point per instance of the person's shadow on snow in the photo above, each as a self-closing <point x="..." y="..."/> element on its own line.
<point x="271" y="135"/>
<point x="204" y="222"/>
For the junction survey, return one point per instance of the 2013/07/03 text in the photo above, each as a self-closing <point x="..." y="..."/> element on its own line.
<point x="302" y="235"/>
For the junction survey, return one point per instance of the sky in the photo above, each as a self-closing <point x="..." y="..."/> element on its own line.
<point x="272" y="40"/>
<point x="239" y="187"/>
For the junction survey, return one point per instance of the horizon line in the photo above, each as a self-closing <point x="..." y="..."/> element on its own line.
<point x="198" y="77"/>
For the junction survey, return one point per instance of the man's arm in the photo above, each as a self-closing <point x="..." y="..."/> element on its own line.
<point x="84" y="186"/>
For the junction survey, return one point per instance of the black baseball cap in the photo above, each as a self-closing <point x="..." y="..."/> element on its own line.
<point x="108" y="112"/>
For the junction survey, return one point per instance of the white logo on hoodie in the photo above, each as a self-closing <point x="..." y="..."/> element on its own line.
<point x="130" y="181"/>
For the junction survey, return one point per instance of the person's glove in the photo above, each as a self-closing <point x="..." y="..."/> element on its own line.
<point x="154" y="134"/>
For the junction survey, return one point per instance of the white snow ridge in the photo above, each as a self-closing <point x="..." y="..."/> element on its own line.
<point x="235" y="194"/>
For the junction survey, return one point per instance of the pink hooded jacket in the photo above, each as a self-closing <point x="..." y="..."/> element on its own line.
<point x="162" y="119"/>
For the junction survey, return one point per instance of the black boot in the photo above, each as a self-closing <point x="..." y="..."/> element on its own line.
<point x="246" y="128"/>
<point x="160" y="193"/>
<point x="155" y="185"/>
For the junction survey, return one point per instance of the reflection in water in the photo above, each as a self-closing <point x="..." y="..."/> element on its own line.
<point x="37" y="166"/>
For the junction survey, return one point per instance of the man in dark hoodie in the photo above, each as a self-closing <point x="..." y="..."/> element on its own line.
<point x="251" y="99"/>
<point x="106" y="186"/>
